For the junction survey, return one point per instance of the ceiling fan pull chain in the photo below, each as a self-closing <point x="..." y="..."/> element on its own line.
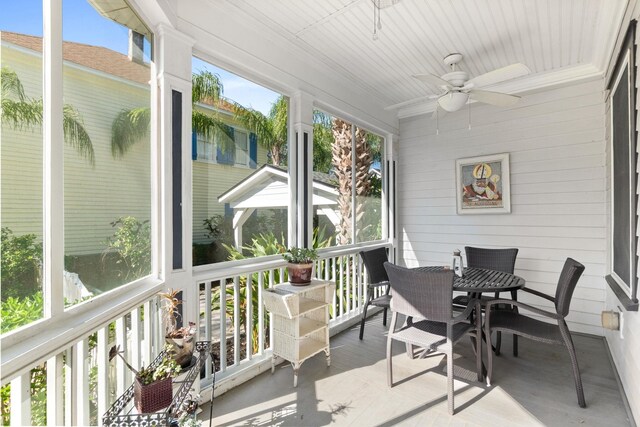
<point x="375" y="29"/>
<point x="437" y="121"/>
<point x="469" y="110"/>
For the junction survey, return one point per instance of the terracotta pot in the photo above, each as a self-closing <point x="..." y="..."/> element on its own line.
<point x="152" y="397"/>
<point x="300" y="274"/>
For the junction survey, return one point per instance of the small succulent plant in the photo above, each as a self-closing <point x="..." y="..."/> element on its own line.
<point x="296" y="255"/>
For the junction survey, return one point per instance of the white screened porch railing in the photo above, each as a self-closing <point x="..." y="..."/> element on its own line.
<point x="242" y="330"/>
<point x="79" y="383"/>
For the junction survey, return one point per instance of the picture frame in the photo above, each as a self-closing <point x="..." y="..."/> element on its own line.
<point x="623" y="179"/>
<point x="483" y="185"/>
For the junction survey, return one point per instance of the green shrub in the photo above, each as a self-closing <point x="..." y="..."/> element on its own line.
<point x="132" y="242"/>
<point x="20" y="311"/>
<point x="21" y="259"/>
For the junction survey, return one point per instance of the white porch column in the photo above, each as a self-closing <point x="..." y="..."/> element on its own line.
<point x="301" y="170"/>
<point x="173" y="60"/>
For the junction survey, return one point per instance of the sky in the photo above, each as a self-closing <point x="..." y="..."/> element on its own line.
<point x="82" y="24"/>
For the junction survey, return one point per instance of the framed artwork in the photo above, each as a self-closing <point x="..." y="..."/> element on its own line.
<point x="482" y="185"/>
<point x="623" y="179"/>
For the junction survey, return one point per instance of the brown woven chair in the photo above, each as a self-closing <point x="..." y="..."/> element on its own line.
<point x="518" y="324"/>
<point x="425" y="298"/>
<point x="491" y="259"/>
<point x="374" y="262"/>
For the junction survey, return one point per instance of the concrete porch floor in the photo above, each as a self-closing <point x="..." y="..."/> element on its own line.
<point x="535" y="388"/>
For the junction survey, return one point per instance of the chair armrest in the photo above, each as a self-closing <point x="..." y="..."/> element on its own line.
<point x="521" y="305"/>
<point x="372" y="286"/>
<point x="539" y="294"/>
<point x="474" y="304"/>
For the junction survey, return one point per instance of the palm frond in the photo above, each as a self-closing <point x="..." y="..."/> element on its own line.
<point x="11" y="85"/>
<point x="21" y="114"/>
<point x="255" y="122"/>
<point x="129" y="127"/>
<point x="211" y="127"/>
<point x="206" y="86"/>
<point x="75" y="133"/>
<point x="279" y="116"/>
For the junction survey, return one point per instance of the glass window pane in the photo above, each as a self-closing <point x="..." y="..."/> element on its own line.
<point x="21" y="154"/>
<point x="249" y="126"/>
<point x="369" y="186"/>
<point x="107" y="191"/>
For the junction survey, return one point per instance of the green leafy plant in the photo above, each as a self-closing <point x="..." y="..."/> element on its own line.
<point x="167" y="368"/>
<point x="21" y="260"/>
<point x="297" y="255"/>
<point x="17" y="312"/>
<point x="132" y="242"/>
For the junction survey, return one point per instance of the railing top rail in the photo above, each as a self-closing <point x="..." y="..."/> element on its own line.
<point x="237" y="268"/>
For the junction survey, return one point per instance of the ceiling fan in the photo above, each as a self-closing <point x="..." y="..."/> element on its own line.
<point x="457" y="88"/>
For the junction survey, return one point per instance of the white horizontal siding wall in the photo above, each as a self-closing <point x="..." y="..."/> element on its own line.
<point x="556" y="144"/>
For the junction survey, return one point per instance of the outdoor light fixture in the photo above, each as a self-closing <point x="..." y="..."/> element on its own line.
<point x="377" y="5"/>
<point x="453" y="101"/>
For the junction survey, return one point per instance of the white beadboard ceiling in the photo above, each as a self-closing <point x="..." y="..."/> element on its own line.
<point x="559" y="40"/>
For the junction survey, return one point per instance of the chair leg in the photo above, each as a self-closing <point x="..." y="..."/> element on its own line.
<point x="449" y="356"/>
<point x="514" y="296"/>
<point x="389" y="367"/>
<point x="487" y="332"/>
<point x="498" y="342"/>
<point x="364" y="317"/>
<point x="384" y="318"/>
<point x="568" y="342"/>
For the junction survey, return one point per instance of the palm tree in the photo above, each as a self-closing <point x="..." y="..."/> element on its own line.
<point x="131" y="125"/>
<point x="343" y="168"/>
<point x="271" y="131"/>
<point x="20" y="111"/>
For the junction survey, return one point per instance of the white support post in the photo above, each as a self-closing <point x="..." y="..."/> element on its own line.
<point x="239" y="218"/>
<point x="301" y="175"/>
<point x="21" y="400"/>
<point x="55" y="394"/>
<point x="147" y="349"/>
<point x="53" y="167"/>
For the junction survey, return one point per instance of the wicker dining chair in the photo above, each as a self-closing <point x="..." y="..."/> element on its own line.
<point x="425" y="299"/>
<point x="491" y="259"/>
<point x="374" y="262"/>
<point x="518" y="324"/>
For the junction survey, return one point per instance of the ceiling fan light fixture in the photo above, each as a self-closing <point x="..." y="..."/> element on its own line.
<point x="453" y="101"/>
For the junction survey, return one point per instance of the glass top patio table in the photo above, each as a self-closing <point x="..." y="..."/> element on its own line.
<point x="478" y="280"/>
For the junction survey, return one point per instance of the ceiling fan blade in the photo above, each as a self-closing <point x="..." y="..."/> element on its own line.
<point x="431" y="79"/>
<point x="494" y="98"/>
<point x="501" y="74"/>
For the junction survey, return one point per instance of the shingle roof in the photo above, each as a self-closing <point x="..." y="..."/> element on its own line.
<point x="94" y="57"/>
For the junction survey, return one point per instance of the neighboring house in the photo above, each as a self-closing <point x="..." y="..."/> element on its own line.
<point x="214" y="170"/>
<point x="100" y="83"/>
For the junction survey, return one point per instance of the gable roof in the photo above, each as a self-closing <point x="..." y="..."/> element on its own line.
<point x="321" y="181"/>
<point x="94" y="57"/>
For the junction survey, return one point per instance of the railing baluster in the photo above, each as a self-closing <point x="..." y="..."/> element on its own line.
<point x="348" y="308"/>
<point x="121" y="341"/>
<point x="102" y="352"/>
<point x="260" y="314"/>
<point x="70" y="392"/>
<point x="81" y="373"/>
<point x="55" y="391"/>
<point x="135" y="338"/>
<point x="249" y="315"/>
<point x="208" y="327"/>
<point x="148" y="333"/>
<point x="342" y="302"/>
<point x="20" y="402"/>
<point x="236" y="320"/>
<point x="335" y="292"/>
<point x="223" y="325"/>
<point x="272" y="281"/>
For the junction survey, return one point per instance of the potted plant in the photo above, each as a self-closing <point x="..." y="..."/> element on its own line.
<point x="152" y="387"/>
<point x="181" y="339"/>
<point x="300" y="265"/>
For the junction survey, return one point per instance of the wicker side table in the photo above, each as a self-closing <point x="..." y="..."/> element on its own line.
<point x="122" y="412"/>
<point x="300" y="321"/>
